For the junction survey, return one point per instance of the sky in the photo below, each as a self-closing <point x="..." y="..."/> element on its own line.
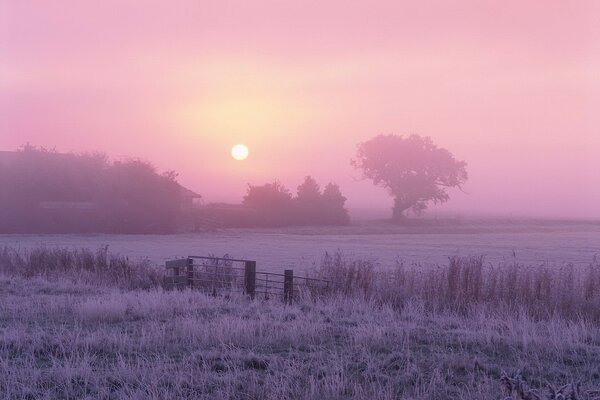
<point x="512" y="88"/>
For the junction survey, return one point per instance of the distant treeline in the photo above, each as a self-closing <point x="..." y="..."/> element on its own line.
<point x="272" y="205"/>
<point x="45" y="191"/>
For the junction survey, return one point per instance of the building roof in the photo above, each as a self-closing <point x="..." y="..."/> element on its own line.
<point x="10" y="157"/>
<point x="185" y="192"/>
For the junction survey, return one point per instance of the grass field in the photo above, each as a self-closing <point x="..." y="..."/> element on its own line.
<point x="72" y="341"/>
<point x="70" y="329"/>
<point x="301" y="248"/>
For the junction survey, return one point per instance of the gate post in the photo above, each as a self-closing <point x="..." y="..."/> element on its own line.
<point x="250" y="278"/>
<point x="288" y="286"/>
<point x="190" y="272"/>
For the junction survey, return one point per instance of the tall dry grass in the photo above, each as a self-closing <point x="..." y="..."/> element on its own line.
<point x="413" y="332"/>
<point x="542" y="290"/>
<point x="69" y="342"/>
<point x="98" y="267"/>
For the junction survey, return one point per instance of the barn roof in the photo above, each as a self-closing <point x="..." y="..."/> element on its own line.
<point x="185" y="192"/>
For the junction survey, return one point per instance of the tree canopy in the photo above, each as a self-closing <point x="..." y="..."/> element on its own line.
<point x="272" y="202"/>
<point x="320" y="208"/>
<point x="413" y="169"/>
<point x="45" y="191"/>
<point x="275" y="205"/>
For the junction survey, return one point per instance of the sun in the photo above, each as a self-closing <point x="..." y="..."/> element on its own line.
<point x="239" y="152"/>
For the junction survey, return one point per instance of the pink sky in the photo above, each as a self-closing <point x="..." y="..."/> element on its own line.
<point x="511" y="87"/>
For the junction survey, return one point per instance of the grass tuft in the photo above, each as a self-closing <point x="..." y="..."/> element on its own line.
<point x="81" y="266"/>
<point x="540" y="290"/>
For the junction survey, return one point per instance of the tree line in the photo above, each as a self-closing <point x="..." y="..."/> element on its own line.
<point x="42" y="190"/>
<point x="276" y="206"/>
<point x="45" y="191"/>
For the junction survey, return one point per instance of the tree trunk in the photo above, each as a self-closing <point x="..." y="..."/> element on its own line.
<point x="398" y="210"/>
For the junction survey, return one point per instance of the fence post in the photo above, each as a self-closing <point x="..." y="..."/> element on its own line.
<point x="176" y="277"/>
<point x="250" y="278"/>
<point x="190" y="272"/>
<point x="288" y="285"/>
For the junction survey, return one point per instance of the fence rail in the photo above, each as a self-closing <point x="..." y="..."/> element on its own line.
<point x="217" y="275"/>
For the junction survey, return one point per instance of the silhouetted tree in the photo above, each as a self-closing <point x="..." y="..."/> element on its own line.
<point x="413" y="169"/>
<point x="274" y="205"/>
<point x="140" y="199"/>
<point x="46" y="191"/>
<point x="272" y="202"/>
<point x="309" y="190"/>
<point x="333" y="205"/>
<point x="308" y="203"/>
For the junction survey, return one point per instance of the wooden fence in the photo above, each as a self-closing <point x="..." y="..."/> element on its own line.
<point x="223" y="276"/>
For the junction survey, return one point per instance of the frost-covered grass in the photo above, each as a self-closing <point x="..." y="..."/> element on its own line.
<point x="542" y="290"/>
<point x="99" y="267"/>
<point x="64" y="340"/>
<point x="88" y="324"/>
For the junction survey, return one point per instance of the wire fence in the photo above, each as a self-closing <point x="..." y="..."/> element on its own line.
<point x="224" y="276"/>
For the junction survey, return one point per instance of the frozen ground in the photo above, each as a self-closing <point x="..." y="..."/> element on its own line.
<point x="298" y="248"/>
<point x="63" y="340"/>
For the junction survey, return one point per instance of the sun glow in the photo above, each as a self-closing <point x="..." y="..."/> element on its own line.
<point x="239" y="152"/>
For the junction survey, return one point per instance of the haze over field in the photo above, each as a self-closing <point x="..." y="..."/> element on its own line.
<point x="222" y="199"/>
<point x="512" y="88"/>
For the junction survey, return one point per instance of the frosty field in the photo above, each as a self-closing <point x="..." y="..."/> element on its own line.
<point x="84" y="325"/>
<point x="300" y="248"/>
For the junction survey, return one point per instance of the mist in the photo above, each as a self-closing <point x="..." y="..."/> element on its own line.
<point x="302" y="88"/>
<point x="340" y="199"/>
